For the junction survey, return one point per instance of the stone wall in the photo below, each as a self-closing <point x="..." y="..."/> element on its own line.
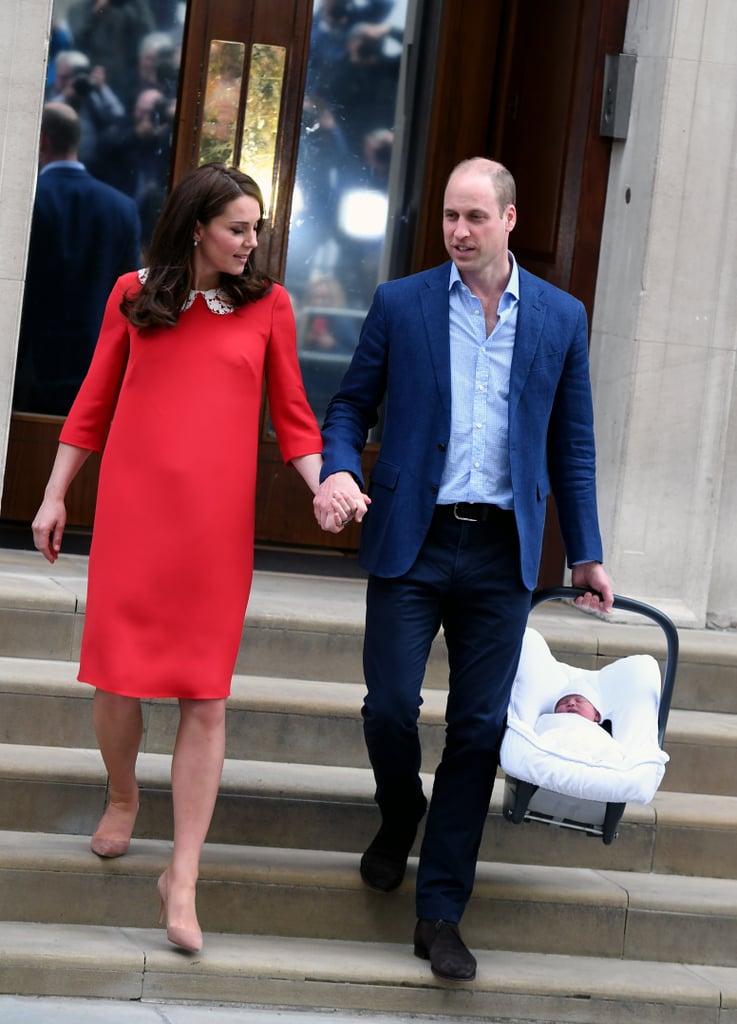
<point x="663" y="339"/>
<point x="24" y="40"/>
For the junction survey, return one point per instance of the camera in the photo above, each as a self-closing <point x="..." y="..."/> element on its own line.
<point x="160" y="113"/>
<point x="81" y="83"/>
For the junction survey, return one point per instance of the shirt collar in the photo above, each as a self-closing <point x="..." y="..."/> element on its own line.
<point x="512" y="288"/>
<point x="74" y="164"/>
<point x="217" y="301"/>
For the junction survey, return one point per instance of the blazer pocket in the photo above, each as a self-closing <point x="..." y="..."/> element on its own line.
<point x="385" y="475"/>
<point x="550" y="361"/>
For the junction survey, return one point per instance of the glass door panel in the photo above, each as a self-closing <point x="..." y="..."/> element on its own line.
<point x="120" y="74"/>
<point x="338" y="226"/>
<point x="222" y="102"/>
<point x="118" y="67"/>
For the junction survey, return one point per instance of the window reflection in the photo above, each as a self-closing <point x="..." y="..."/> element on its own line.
<point x="116" y="63"/>
<point x="339" y="207"/>
<point x="261" y="121"/>
<point x="222" y="99"/>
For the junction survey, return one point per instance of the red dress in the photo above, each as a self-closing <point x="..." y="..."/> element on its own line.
<point x="178" y="411"/>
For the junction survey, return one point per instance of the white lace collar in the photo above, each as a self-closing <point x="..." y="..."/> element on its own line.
<point x="215" y="299"/>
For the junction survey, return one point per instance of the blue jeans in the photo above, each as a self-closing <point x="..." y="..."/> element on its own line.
<point x="467" y="580"/>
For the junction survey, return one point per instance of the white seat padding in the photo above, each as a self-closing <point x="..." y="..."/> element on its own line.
<point x="571" y="755"/>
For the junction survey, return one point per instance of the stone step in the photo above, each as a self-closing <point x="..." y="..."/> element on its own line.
<point x="302" y="626"/>
<point x="319" y="895"/>
<point x="269" y="718"/>
<point x="44" y="789"/>
<point x="270" y="970"/>
<point x="310" y="722"/>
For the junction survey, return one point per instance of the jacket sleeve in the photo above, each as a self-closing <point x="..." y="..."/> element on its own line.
<point x="355" y="408"/>
<point x="89" y="418"/>
<point x="294" y="421"/>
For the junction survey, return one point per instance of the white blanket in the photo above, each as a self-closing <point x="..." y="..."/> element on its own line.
<point x="572" y="755"/>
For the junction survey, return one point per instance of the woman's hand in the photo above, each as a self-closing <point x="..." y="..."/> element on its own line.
<point x="51" y="518"/>
<point x="339" y="501"/>
<point x="48" y="527"/>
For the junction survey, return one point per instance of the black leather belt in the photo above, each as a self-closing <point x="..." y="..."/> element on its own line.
<point x="469" y="511"/>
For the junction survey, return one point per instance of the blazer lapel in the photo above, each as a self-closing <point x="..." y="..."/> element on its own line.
<point x="436" y="317"/>
<point x="530" y="320"/>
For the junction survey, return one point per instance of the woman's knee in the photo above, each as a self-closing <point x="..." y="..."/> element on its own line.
<point x="209" y="714"/>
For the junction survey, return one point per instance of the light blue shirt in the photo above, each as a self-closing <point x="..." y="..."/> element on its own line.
<point x="477" y="461"/>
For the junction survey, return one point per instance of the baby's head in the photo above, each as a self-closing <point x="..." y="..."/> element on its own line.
<point x="581" y="697"/>
<point x="577" y="704"/>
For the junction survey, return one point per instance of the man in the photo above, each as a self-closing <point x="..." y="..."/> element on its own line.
<point x="100" y="111"/>
<point x="484" y="372"/>
<point x="110" y="32"/>
<point x="84" y="235"/>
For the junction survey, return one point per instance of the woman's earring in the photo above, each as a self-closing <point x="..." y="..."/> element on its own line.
<point x="195" y="241"/>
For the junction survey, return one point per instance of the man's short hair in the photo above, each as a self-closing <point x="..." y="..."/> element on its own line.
<point x="501" y="178"/>
<point x="61" y="126"/>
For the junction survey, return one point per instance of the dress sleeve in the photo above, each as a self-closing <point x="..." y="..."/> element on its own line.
<point x="294" y="421"/>
<point x="89" y="418"/>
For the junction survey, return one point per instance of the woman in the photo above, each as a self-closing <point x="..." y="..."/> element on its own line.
<point x="174" y="395"/>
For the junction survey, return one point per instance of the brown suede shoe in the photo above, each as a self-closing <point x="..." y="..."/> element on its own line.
<point x="440" y="942"/>
<point x="385" y="861"/>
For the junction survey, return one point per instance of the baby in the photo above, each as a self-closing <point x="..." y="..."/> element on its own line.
<point x="585" y="735"/>
<point x="577" y="704"/>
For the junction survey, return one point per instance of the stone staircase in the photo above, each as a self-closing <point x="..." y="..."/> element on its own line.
<point x="566" y="929"/>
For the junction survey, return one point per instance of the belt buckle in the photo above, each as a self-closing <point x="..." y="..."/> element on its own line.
<point x="463" y="519"/>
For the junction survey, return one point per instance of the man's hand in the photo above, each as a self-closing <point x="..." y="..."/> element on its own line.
<point x="592" y="577"/>
<point x="339" y="501"/>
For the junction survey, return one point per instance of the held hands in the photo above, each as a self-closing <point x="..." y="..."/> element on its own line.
<point x="339" y="501"/>
<point x="48" y="528"/>
<point x="592" y="577"/>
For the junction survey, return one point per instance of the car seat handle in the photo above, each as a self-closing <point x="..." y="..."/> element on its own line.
<point x="629" y="604"/>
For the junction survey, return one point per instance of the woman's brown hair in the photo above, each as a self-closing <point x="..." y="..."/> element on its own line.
<point x="200" y="196"/>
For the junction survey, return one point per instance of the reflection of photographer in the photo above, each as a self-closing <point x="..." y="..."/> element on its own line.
<point x="158" y="64"/>
<point x="145" y="154"/>
<point x="109" y="32"/>
<point x="363" y="85"/>
<point x="84" y="88"/>
<point x="330" y="27"/>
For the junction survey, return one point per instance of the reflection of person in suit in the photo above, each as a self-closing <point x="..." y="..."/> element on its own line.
<point x="84" y="235"/>
<point x="484" y="371"/>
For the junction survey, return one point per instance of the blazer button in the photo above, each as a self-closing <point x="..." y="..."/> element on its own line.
<point x="434" y="489"/>
<point x="441" y="447"/>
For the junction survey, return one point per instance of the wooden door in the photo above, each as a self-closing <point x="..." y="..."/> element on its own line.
<point x="537" y="73"/>
<point x="546" y="129"/>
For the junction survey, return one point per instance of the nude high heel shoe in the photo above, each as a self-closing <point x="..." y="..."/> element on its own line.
<point x="112" y="836"/>
<point x="186" y="938"/>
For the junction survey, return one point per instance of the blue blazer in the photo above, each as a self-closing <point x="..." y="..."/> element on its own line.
<point x="403" y="356"/>
<point x="84" y="235"/>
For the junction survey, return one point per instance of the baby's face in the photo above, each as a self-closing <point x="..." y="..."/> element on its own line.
<point x="575" y="704"/>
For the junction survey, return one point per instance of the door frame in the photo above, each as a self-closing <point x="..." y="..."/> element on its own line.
<point x="455" y="123"/>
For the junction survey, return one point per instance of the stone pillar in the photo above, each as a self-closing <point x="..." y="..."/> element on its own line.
<point x="664" y="328"/>
<point x="24" y="40"/>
